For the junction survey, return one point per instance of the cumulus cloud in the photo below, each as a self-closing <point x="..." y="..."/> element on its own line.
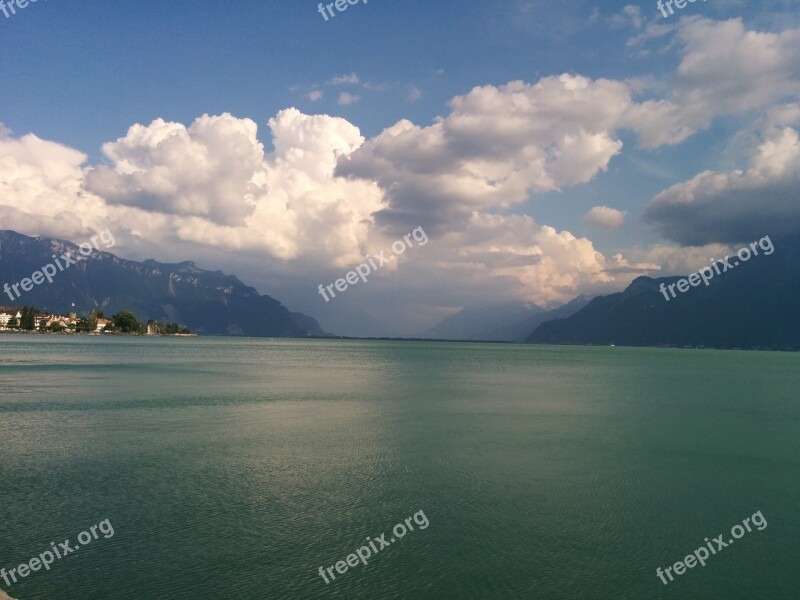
<point x="208" y="185"/>
<point x="673" y="259"/>
<point x="496" y="146"/>
<point x="725" y="69"/>
<point x="512" y="256"/>
<point x="305" y="215"/>
<point x="211" y="169"/>
<point x="315" y="95"/>
<point x="40" y="186"/>
<point x="603" y="216"/>
<point x="737" y="206"/>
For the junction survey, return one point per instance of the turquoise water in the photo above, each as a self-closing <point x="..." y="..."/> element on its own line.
<point x="235" y="468"/>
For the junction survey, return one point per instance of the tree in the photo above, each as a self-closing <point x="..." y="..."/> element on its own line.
<point x="126" y="322"/>
<point x="92" y="319"/>
<point x="174" y="328"/>
<point x="83" y="325"/>
<point x="13" y="323"/>
<point x="28" y="318"/>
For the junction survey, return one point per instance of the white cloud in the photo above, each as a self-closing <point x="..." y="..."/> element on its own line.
<point x="211" y="169"/>
<point x="346" y="98"/>
<point x="414" y="93"/>
<point x="304" y="219"/>
<point x="740" y="205"/>
<point x="40" y="186"/>
<point x="603" y="216"/>
<point x="725" y="69"/>
<point x="344" y="79"/>
<point x="177" y="190"/>
<point x="496" y="146"/>
<point x="315" y="95"/>
<point x="672" y="259"/>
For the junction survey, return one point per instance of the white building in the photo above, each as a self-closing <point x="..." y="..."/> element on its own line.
<point x="6" y="316"/>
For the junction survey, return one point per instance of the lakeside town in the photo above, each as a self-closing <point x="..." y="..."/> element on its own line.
<point x="28" y="319"/>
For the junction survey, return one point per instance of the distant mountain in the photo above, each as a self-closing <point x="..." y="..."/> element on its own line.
<point x="519" y="332"/>
<point x="342" y="319"/>
<point x="208" y="302"/>
<point x="754" y="305"/>
<point x="506" y="322"/>
<point x="478" y="323"/>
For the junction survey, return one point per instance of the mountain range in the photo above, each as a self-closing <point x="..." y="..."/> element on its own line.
<point x="207" y="302"/>
<point x="751" y="306"/>
<point x="754" y="305"/>
<point x="503" y="322"/>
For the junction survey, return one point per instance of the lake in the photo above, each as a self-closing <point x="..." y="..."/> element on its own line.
<point x="236" y="468"/>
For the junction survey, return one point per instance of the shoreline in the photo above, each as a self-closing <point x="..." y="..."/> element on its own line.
<point x="110" y="333"/>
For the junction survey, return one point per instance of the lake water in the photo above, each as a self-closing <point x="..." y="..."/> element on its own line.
<point x="235" y="468"/>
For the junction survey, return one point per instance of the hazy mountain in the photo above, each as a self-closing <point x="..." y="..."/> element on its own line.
<point x="507" y="322"/>
<point x="339" y="317"/>
<point x="208" y="302"/>
<point x="481" y="323"/>
<point x="753" y="305"/>
<point x="519" y="332"/>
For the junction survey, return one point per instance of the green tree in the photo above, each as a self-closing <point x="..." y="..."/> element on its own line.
<point x="28" y="320"/>
<point x="174" y="328"/>
<point x="126" y="322"/>
<point x="13" y="323"/>
<point x="83" y="325"/>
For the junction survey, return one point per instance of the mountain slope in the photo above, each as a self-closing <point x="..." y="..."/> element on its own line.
<point x="753" y="305"/>
<point x="478" y="323"/>
<point x="507" y="322"/>
<point x="208" y="302"/>
<point x="518" y="332"/>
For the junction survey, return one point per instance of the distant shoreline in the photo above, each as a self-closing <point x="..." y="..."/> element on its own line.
<point x="96" y="334"/>
<point x="401" y="339"/>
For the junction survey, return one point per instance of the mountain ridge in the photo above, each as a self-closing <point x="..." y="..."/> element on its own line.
<point x="208" y="302"/>
<point x="753" y="306"/>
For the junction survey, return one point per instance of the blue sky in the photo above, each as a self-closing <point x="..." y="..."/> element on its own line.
<point x="79" y="74"/>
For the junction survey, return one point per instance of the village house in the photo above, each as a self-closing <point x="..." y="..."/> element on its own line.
<point x="6" y="314"/>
